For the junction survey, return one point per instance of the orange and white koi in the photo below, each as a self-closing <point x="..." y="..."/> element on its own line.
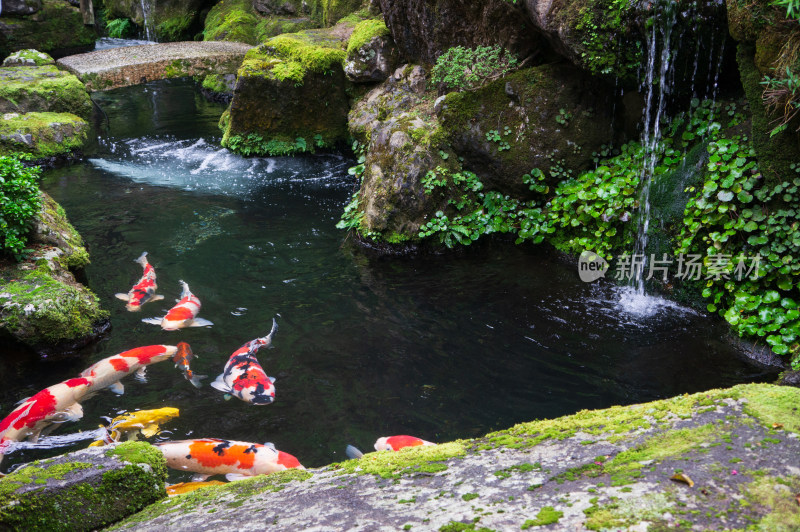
<point x="182" y="358"/>
<point x="40" y="413"/>
<point x="107" y="373"/>
<point x="184" y="314"/>
<point x="244" y="377"/>
<point x="389" y="443"/>
<point x="144" y="290"/>
<point x="234" y="459"/>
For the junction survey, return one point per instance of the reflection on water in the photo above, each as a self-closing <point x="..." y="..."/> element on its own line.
<point x="440" y="347"/>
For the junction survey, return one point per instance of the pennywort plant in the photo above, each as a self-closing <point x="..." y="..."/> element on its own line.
<point x="19" y="203"/>
<point x="461" y="68"/>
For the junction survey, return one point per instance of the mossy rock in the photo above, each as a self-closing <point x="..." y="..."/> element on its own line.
<point x="84" y="490"/>
<point x="42" y="135"/>
<point x="371" y="52"/>
<point x="42" y="89"/>
<point x="41" y="304"/>
<point x="56" y="29"/>
<point x="238" y="20"/>
<point x="170" y="20"/>
<point x="290" y="95"/>
<point x="534" y="118"/>
<point x="28" y="57"/>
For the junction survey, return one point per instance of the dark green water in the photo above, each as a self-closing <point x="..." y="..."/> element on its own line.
<point x="440" y="347"/>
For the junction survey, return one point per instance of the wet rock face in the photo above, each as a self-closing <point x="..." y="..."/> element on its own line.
<point x="535" y="118"/>
<point x="424" y="29"/>
<point x="21" y="7"/>
<point x="84" y="490"/>
<point x="57" y="29"/>
<point x="373" y="61"/>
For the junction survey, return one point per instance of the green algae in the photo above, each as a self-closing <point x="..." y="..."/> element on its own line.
<point x="408" y="461"/>
<point x="52" y="134"/>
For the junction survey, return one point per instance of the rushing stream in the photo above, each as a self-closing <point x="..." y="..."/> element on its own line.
<point x="441" y="347"/>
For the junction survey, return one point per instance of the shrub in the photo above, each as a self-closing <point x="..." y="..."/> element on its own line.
<point x="462" y="68"/>
<point x="19" y="203"/>
<point x="119" y="27"/>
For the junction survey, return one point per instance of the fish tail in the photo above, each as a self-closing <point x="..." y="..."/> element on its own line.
<point x="195" y="380"/>
<point x="186" y="290"/>
<point x="272" y="331"/>
<point x="353" y="453"/>
<point x="142" y="259"/>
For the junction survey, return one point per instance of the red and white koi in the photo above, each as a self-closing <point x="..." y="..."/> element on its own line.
<point x="40" y="413"/>
<point x="144" y="290"/>
<point x="389" y="443"/>
<point x="183" y="314"/>
<point x="244" y="377"/>
<point x="234" y="459"/>
<point x="107" y="373"/>
<point x="182" y="358"/>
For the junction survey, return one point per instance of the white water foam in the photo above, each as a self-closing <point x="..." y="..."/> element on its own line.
<point x="641" y="305"/>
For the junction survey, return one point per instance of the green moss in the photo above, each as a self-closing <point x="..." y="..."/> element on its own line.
<point x="137" y="452"/>
<point x="273" y="26"/>
<point x="28" y="57"/>
<point x="773" y="404"/>
<point x="334" y="10"/>
<point x="175" y="28"/>
<point x="216" y="83"/>
<point x="408" y="461"/>
<point x="37" y="475"/>
<point x="364" y="32"/>
<point x="231" y="20"/>
<point x="291" y="56"/>
<point x="57" y="26"/>
<point x="776" y="495"/>
<point x="52" y="134"/>
<point x="546" y="516"/>
<point x="42" y="89"/>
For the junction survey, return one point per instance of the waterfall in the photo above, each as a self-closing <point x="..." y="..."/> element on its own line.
<point x="147" y="12"/>
<point x="658" y="63"/>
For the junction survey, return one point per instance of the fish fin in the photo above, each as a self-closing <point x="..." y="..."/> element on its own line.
<point x="153" y="321"/>
<point x="21" y="401"/>
<point x="200" y="322"/>
<point x="233" y="477"/>
<point x="118" y="388"/>
<point x="199" y="477"/>
<point x="149" y="432"/>
<point x="270" y="445"/>
<point x="272" y="332"/>
<point x="140" y="375"/>
<point x="33" y="437"/>
<point x="353" y="453"/>
<point x="219" y="384"/>
<point x="196" y="380"/>
<point x="142" y="259"/>
<point x="156" y="297"/>
<point x="122" y="296"/>
<point x="271" y="379"/>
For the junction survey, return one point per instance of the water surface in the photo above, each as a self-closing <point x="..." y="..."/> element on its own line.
<point x="441" y="347"/>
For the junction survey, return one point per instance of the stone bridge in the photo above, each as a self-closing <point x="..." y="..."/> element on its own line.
<point x="121" y="67"/>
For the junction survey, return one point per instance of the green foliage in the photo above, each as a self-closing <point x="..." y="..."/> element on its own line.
<point x="19" y="203"/>
<point x="563" y="117"/>
<point x="792" y="7"/>
<point x="461" y="68"/>
<point x="353" y="214"/>
<point x="603" y="26"/>
<point x="256" y="145"/>
<point x="119" y="27"/>
<point x="493" y="135"/>
<point x="175" y="28"/>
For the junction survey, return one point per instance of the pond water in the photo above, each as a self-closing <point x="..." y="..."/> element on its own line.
<point x="441" y="347"/>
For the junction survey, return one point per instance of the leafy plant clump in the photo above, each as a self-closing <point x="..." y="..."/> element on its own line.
<point x="782" y="90"/>
<point x="461" y="68"/>
<point x="19" y="203"/>
<point x="119" y="27"/>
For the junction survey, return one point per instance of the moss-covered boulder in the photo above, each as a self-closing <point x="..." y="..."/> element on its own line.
<point x="57" y="29"/>
<point x="42" y="89"/>
<point x="21" y="7"/>
<point x="42" y="306"/>
<point x="291" y="95"/>
<point x="424" y="29"/>
<point x="28" y="57"/>
<point x="43" y="135"/>
<point x="371" y="52"/>
<point x="239" y="20"/>
<point x="169" y="20"/>
<point x="539" y="118"/>
<point x="715" y="460"/>
<point x="84" y="490"/>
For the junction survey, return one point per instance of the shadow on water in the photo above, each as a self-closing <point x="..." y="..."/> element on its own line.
<point x="442" y="347"/>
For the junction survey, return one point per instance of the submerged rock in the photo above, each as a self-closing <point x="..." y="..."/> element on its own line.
<point x="43" y="135"/>
<point x="26" y="89"/>
<point x="84" y="490"/>
<point x="716" y="460"/>
<point x="57" y="29"/>
<point x="42" y="306"/>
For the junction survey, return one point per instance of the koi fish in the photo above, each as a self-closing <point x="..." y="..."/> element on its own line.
<point x="40" y="413"/>
<point x="389" y="443"/>
<point x="186" y="487"/>
<point x="182" y="358"/>
<point x="107" y="373"/>
<point x="234" y="459"/>
<point x="144" y="290"/>
<point x="184" y="314"/>
<point x="131" y="424"/>
<point x="244" y="377"/>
